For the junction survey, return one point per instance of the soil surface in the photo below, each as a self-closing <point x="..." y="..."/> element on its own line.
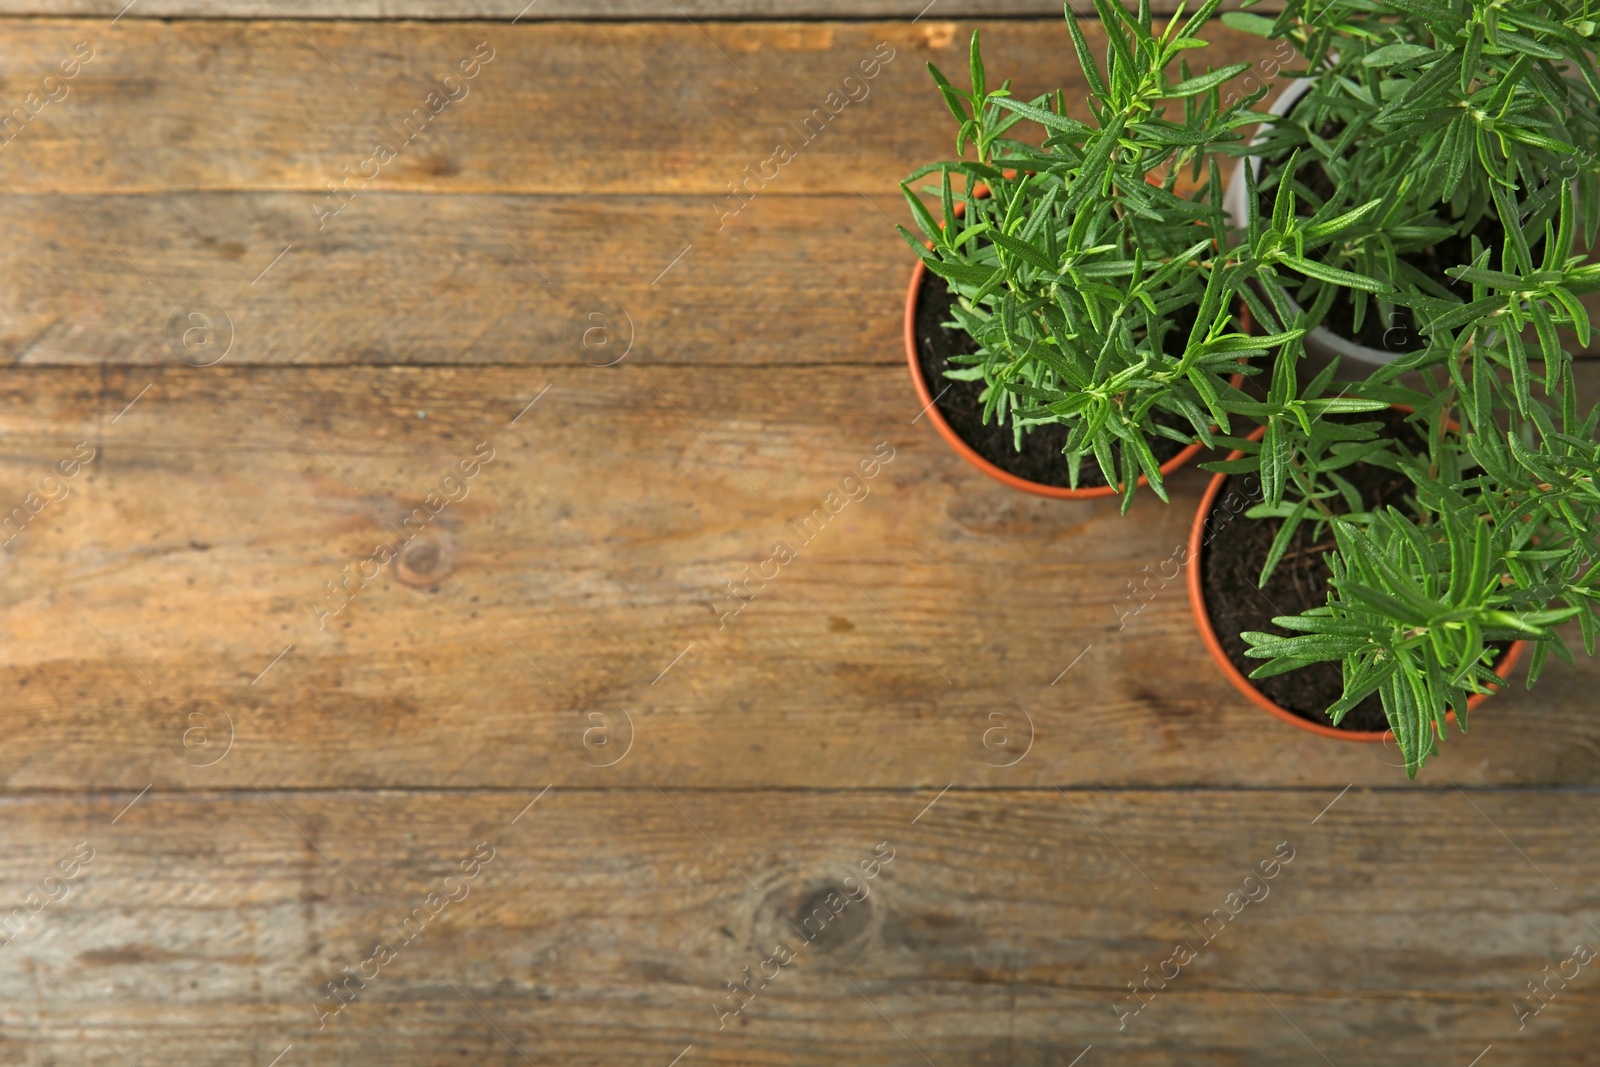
<point x="958" y="402"/>
<point x="1230" y="562"/>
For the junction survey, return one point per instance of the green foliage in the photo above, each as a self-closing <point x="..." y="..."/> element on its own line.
<point x="1498" y="541"/>
<point x="1468" y="122"/>
<point x="1082" y="253"/>
<point x="1439" y="173"/>
<point x="1497" y="544"/>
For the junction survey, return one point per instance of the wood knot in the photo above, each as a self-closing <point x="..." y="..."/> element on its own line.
<point x="826" y="916"/>
<point x="422" y="564"/>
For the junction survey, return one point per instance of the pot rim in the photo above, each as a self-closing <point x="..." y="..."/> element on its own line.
<point x="968" y="453"/>
<point x="1202" y="618"/>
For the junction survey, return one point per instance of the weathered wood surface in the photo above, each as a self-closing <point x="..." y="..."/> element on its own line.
<point x="566" y="109"/>
<point x="407" y="279"/>
<point x="1005" y="928"/>
<point x="186" y="165"/>
<point x="559" y="625"/>
<point x="598" y="545"/>
<point x="539" y="10"/>
<point x="441" y="280"/>
<point x="187" y="158"/>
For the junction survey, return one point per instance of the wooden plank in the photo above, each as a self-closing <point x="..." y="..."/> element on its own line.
<point x="519" y="10"/>
<point x="797" y="278"/>
<point x="400" y="277"/>
<point x="436" y="279"/>
<point x="595" y="551"/>
<point x="559" y="109"/>
<point x="603" y="927"/>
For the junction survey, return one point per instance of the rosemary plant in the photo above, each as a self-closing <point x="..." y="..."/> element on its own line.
<point x="1439" y="111"/>
<point x="1497" y="541"/>
<point x="1439" y="172"/>
<point x="1472" y="124"/>
<point x="1102" y="294"/>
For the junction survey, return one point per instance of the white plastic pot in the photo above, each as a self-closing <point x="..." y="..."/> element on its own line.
<point x="1322" y="344"/>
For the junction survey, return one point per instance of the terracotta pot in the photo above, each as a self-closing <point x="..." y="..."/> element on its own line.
<point x="1202" y="619"/>
<point x="966" y="452"/>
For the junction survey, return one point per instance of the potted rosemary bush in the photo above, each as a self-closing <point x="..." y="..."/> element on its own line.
<point x="1404" y="561"/>
<point x="1463" y="524"/>
<point x="1439" y="110"/>
<point x="1428" y="519"/>
<point x="1071" y="302"/>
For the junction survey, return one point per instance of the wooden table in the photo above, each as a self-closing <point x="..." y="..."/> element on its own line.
<point x="258" y="795"/>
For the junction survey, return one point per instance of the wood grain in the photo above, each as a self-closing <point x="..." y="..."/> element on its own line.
<point x="188" y="162"/>
<point x="492" y="238"/>
<point x="568" y="109"/>
<point x="551" y="665"/>
<point x="438" y="279"/>
<point x="1005" y="929"/>
<point x="521" y="10"/>
<point x="409" y="279"/>
<point x="586" y="573"/>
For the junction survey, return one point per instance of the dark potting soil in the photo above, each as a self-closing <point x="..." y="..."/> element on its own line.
<point x="1041" y="458"/>
<point x="1230" y="562"/>
<point x="1400" y="333"/>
